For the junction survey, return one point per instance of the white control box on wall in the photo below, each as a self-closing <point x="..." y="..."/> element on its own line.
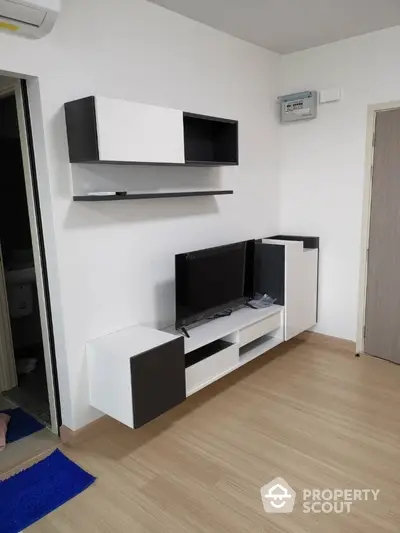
<point x="333" y="94"/>
<point x="299" y="106"/>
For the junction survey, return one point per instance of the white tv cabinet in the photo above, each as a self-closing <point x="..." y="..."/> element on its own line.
<point x="138" y="373"/>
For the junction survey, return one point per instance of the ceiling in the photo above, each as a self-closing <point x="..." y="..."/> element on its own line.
<point x="286" y="26"/>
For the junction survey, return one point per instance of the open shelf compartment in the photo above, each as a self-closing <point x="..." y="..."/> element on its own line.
<point x="210" y="140"/>
<point x="257" y="347"/>
<point x="209" y="363"/>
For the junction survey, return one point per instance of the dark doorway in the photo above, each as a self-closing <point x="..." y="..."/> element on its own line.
<point x="31" y="393"/>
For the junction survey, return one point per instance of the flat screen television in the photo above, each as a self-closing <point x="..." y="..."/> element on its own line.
<point x="213" y="280"/>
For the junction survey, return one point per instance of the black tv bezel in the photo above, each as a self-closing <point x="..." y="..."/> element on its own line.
<point x="205" y="315"/>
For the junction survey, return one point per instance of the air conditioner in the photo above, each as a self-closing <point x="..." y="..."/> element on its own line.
<point x="29" y="18"/>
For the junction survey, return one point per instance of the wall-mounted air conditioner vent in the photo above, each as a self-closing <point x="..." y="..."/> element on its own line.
<point x="29" y="18"/>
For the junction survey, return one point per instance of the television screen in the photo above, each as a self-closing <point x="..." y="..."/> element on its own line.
<point x="210" y="281"/>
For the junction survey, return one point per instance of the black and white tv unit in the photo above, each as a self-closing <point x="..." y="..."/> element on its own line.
<point x="138" y="373"/>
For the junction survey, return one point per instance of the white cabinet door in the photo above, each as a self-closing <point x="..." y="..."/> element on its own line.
<point x="294" y="293"/>
<point x="301" y="284"/>
<point x="310" y="287"/>
<point x="129" y="131"/>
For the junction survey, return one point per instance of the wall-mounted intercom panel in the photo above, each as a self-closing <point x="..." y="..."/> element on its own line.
<point x="299" y="106"/>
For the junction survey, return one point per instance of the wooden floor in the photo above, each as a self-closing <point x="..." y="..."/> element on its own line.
<point x="309" y="412"/>
<point x="20" y="454"/>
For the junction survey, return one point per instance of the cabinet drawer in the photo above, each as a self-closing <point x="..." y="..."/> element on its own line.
<point x="255" y="331"/>
<point x="212" y="368"/>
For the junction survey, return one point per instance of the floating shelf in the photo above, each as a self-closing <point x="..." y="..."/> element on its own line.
<point x="143" y="164"/>
<point x="145" y="195"/>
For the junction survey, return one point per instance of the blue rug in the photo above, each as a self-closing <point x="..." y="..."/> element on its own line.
<point x="32" y="494"/>
<point x="21" y="424"/>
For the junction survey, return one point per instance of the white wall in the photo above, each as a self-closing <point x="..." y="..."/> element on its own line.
<point x="116" y="260"/>
<point x="323" y="161"/>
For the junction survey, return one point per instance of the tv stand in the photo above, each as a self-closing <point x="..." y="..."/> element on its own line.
<point x="138" y="373"/>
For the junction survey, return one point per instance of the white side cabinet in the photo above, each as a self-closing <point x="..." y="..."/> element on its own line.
<point x="287" y="270"/>
<point x="136" y="374"/>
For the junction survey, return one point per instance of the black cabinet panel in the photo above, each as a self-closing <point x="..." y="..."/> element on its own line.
<point x="158" y="381"/>
<point x="269" y="274"/>
<point x="80" y="116"/>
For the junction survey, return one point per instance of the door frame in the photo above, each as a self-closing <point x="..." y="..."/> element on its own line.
<point x="27" y="110"/>
<point x="28" y="158"/>
<point x="373" y="110"/>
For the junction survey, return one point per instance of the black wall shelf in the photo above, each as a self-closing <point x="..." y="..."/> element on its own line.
<point x="147" y="195"/>
<point x="142" y="164"/>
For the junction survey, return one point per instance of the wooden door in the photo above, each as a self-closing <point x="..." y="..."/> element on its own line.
<point x="382" y="314"/>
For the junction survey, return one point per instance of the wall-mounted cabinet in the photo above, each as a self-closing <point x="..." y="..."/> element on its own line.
<point x="107" y="130"/>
